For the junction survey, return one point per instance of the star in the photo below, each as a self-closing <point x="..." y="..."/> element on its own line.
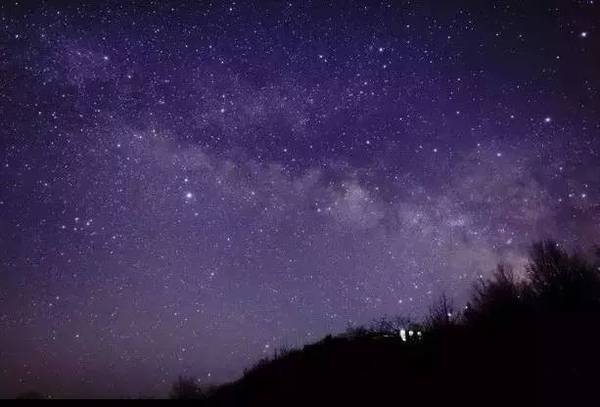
<point x="213" y="181"/>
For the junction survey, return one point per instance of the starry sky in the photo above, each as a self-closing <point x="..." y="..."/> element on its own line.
<point x="187" y="186"/>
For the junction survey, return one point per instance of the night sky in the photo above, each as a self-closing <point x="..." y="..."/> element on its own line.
<point x="186" y="187"/>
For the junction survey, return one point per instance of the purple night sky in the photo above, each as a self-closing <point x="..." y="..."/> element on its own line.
<point x="188" y="186"/>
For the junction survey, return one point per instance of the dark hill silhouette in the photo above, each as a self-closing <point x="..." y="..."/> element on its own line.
<point x="530" y="342"/>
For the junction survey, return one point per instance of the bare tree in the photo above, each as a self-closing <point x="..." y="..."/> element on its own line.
<point x="442" y="314"/>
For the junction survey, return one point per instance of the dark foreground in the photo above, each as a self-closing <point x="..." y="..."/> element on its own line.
<point x="531" y="342"/>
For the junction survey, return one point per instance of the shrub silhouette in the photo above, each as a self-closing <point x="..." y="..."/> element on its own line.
<point x="533" y="341"/>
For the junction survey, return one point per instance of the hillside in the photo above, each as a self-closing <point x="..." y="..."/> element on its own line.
<point x="531" y="342"/>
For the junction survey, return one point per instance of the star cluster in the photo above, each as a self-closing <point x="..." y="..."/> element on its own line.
<point x="187" y="186"/>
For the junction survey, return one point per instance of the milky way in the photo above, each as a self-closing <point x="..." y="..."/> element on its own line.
<point x="186" y="187"/>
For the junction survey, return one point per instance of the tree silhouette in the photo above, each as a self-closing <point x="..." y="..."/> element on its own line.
<point x="562" y="280"/>
<point x="441" y="315"/>
<point x="528" y="341"/>
<point x="497" y="301"/>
